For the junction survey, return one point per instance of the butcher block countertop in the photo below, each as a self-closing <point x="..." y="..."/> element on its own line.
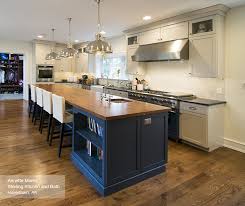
<point x="90" y="101"/>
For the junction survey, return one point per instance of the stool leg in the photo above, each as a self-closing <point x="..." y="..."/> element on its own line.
<point x="34" y="111"/>
<point x="49" y="125"/>
<point x="41" y="120"/>
<point x="30" y="108"/>
<point x="61" y="138"/>
<point x="52" y="132"/>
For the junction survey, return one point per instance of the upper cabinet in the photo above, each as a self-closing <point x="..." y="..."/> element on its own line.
<point x="81" y="62"/>
<point x="207" y="47"/>
<point x="41" y="51"/>
<point x="150" y="37"/>
<point x="202" y="26"/>
<point x="166" y="33"/>
<point x="175" y="31"/>
<point x="203" y="56"/>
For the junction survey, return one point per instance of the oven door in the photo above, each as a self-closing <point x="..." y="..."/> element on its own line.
<point x="173" y="125"/>
<point x="45" y="74"/>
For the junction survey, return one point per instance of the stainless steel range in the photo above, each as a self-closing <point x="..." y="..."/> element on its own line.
<point x="167" y="99"/>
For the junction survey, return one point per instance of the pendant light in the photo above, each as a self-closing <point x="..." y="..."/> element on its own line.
<point x="52" y="55"/>
<point x="99" y="45"/>
<point x="68" y="52"/>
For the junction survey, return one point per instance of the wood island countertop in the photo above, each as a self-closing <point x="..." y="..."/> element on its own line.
<point x="90" y="101"/>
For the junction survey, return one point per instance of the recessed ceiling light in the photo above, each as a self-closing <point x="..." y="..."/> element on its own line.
<point x="103" y="32"/>
<point x="147" y="18"/>
<point x="76" y="41"/>
<point x="40" y="36"/>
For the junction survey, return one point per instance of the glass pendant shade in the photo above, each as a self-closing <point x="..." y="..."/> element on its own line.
<point x="99" y="45"/>
<point x="68" y="52"/>
<point x="52" y="55"/>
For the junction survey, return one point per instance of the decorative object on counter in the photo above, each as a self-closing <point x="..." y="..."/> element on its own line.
<point x="52" y="55"/>
<point x="140" y="87"/>
<point x="134" y="84"/>
<point x="99" y="45"/>
<point x="68" y="52"/>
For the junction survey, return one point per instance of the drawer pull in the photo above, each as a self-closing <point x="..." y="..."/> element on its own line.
<point x="193" y="108"/>
<point x="147" y="121"/>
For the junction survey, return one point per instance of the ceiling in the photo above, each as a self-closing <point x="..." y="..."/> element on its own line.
<point x="25" y="19"/>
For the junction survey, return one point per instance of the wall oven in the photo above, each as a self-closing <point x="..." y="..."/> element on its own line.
<point x="45" y="73"/>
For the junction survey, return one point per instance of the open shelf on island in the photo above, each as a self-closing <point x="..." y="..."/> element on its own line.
<point x="92" y="162"/>
<point x="90" y="136"/>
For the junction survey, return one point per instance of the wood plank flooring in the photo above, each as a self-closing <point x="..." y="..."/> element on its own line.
<point x="193" y="177"/>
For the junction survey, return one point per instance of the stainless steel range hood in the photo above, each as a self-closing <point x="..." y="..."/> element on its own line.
<point x="164" y="51"/>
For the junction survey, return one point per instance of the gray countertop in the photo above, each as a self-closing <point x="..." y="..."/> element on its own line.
<point x="205" y="102"/>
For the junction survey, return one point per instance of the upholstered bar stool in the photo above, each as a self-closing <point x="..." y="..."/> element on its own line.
<point x="48" y="109"/>
<point x="62" y="117"/>
<point x="39" y="110"/>
<point x="29" y="101"/>
<point x="34" y="101"/>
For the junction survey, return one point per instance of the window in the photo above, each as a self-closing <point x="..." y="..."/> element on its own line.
<point x="112" y="66"/>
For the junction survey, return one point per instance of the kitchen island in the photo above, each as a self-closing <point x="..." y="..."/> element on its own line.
<point x="118" y="143"/>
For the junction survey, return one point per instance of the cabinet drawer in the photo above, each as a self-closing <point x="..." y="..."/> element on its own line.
<point x="195" y="108"/>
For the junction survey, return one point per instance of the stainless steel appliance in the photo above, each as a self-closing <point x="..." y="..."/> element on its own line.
<point x="45" y="73"/>
<point x="167" y="99"/>
<point x="164" y="51"/>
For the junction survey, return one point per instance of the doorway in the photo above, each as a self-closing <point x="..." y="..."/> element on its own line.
<point x="11" y="76"/>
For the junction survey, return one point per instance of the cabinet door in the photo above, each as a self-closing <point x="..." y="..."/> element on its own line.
<point x="67" y="64"/>
<point x="150" y="37"/>
<point x="202" y="26"/>
<point x="81" y="63"/>
<point x="132" y="66"/>
<point x="41" y="52"/>
<point x="203" y="57"/>
<point x="193" y="128"/>
<point x="153" y="141"/>
<point x="173" y="32"/>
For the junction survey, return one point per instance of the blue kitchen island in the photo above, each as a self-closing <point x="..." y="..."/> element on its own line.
<point x="119" y="152"/>
<point x="115" y="143"/>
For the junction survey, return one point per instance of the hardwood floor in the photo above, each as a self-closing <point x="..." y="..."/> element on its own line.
<point x="193" y="177"/>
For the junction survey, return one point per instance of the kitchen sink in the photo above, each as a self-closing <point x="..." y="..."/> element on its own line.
<point x="120" y="100"/>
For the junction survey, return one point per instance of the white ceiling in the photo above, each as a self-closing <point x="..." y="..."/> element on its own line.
<point x="25" y="19"/>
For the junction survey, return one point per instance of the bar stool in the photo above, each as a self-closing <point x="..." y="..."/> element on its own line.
<point x="48" y="109"/>
<point x="60" y="115"/>
<point x="34" y="101"/>
<point x="29" y="101"/>
<point x="39" y="94"/>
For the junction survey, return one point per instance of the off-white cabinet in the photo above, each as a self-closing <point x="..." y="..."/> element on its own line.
<point x="150" y="37"/>
<point x="203" y="56"/>
<point x="201" y="125"/>
<point x="207" y="47"/>
<point x="65" y="65"/>
<point x="175" y="31"/>
<point x="81" y="62"/>
<point x="41" y="51"/>
<point x="132" y="66"/>
<point x="166" y="33"/>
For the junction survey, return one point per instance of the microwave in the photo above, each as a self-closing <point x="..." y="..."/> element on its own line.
<point x="45" y="73"/>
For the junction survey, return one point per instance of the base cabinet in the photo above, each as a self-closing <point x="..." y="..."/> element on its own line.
<point x="194" y="128"/>
<point x="132" y="149"/>
<point x="202" y="126"/>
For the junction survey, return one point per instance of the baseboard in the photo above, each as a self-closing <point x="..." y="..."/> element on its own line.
<point x="235" y="145"/>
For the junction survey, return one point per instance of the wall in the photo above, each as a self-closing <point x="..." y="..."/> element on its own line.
<point x="174" y="76"/>
<point x="235" y="79"/>
<point x="25" y="48"/>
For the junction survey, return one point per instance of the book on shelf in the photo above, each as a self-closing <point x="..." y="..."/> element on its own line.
<point x="99" y="153"/>
<point x="95" y="127"/>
